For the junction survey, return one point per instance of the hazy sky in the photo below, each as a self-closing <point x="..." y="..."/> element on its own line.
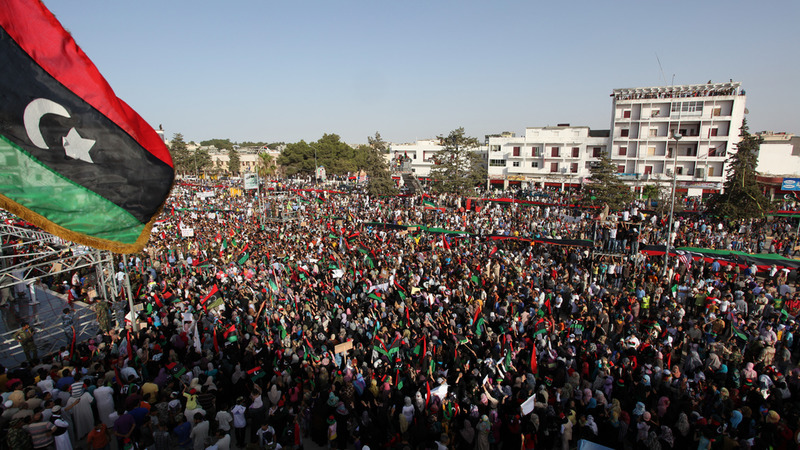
<point x="288" y="70"/>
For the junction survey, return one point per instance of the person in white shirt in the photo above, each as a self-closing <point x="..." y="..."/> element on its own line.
<point x="224" y="419"/>
<point x="223" y="441"/>
<point x="239" y="422"/>
<point x="199" y="432"/>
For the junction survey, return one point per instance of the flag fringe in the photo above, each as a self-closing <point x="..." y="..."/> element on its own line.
<point x="79" y="238"/>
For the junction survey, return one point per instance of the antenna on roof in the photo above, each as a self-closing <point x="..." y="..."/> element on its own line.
<point x="661" y="69"/>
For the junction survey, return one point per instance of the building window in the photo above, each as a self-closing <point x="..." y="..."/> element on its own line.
<point x="626" y="114"/>
<point x="623" y="151"/>
<point x="679" y="170"/>
<point x="687" y="108"/>
<point x="653" y="132"/>
<point x="576" y="152"/>
<point x="515" y="163"/>
<point x="717" y="111"/>
<point x="651" y="151"/>
<point x="516" y="151"/>
<point x="497" y="162"/>
<point x="623" y="132"/>
<point x="711" y="171"/>
<point x="554" y="152"/>
<point x="713" y="132"/>
<point x="534" y="164"/>
<point x="573" y="168"/>
<point x="535" y="152"/>
<point x="648" y="170"/>
<point x="553" y="167"/>
<point x="621" y="168"/>
<point x="494" y="148"/>
<point x="596" y="152"/>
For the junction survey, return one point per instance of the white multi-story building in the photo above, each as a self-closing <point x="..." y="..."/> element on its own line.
<point x="701" y="120"/>
<point x="419" y="156"/>
<point x="778" y="158"/>
<point x="558" y="156"/>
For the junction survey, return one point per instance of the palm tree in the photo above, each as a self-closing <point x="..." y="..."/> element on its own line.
<point x="266" y="165"/>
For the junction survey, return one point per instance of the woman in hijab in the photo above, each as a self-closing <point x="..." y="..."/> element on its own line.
<point x="467" y="436"/>
<point x="683" y="435"/>
<point x="663" y="406"/>
<point x="666" y="439"/>
<point x="483" y="429"/>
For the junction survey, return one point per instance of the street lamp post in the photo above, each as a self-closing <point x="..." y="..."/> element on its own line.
<point x="677" y="137"/>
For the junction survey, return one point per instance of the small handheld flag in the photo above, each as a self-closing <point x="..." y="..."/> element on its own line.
<point x="78" y="161"/>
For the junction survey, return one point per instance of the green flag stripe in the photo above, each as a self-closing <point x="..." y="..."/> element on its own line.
<point x="31" y="184"/>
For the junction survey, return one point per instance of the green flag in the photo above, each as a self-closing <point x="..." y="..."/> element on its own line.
<point x="244" y="258"/>
<point x="479" y="327"/>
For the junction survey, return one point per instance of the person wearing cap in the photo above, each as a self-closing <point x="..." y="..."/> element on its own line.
<point x="332" y="433"/>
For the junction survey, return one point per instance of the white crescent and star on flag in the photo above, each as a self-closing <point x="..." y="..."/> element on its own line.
<point x="75" y="145"/>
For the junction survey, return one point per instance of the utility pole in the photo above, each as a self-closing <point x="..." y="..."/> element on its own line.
<point x="677" y="137"/>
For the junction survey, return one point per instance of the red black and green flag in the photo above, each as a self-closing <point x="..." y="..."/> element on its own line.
<point x="212" y="299"/>
<point x="77" y="161"/>
<point x="256" y="373"/>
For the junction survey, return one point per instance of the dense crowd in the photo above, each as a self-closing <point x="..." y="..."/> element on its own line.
<point x="352" y="322"/>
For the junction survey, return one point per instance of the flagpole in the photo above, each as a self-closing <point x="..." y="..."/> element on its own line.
<point x="677" y="137"/>
<point x="260" y="205"/>
<point x="128" y="292"/>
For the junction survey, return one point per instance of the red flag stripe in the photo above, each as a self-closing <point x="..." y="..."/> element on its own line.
<point x="45" y="40"/>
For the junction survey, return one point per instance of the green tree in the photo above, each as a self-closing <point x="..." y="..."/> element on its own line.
<point x="651" y="192"/>
<point x="180" y="153"/>
<point x="252" y="144"/>
<point x="329" y="151"/>
<point x="234" y="162"/>
<point x="377" y="143"/>
<point x="606" y="187"/>
<point x="370" y="159"/>
<point x="220" y="144"/>
<point x="741" y="198"/>
<point x="381" y="184"/>
<point x="199" y="161"/>
<point x="266" y="165"/>
<point x="297" y="159"/>
<point x="337" y="157"/>
<point x="457" y="167"/>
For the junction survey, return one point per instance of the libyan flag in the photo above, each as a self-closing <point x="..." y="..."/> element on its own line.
<point x="212" y="299"/>
<point x="77" y="161"/>
<point x="243" y="257"/>
<point x="255" y="373"/>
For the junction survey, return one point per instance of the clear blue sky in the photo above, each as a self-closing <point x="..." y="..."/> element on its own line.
<point x="263" y="70"/>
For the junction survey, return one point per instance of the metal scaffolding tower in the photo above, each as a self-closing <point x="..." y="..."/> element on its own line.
<point x="31" y="263"/>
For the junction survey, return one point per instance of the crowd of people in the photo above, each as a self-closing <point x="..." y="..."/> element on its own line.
<point x="344" y="321"/>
